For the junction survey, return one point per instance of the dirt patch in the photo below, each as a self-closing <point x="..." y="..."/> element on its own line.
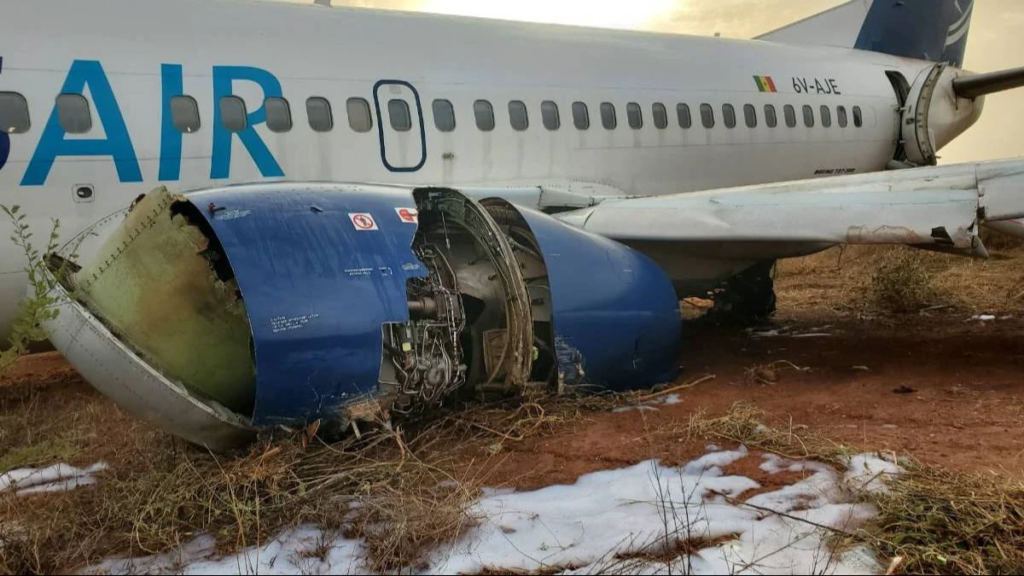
<point x="595" y="442"/>
<point x="750" y="467"/>
<point x="44" y="402"/>
<point x="966" y="410"/>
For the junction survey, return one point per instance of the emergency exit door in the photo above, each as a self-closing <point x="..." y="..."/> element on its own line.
<point x="403" y="139"/>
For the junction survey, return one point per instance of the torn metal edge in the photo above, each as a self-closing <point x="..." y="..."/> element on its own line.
<point x="119" y="373"/>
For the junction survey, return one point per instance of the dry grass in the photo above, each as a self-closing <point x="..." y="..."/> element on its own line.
<point x="858" y="279"/>
<point x="412" y="499"/>
<point x="902" y="284"/>
<point x="180" y="494"/>
<point x="744" y="425"/>
<point x="769" y="374"/>
<point x="941" y="522"/>
<point x="931" y="521"/>
<point x="402" y="492"/>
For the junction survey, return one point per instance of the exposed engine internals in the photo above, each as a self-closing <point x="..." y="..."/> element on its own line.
<point x="481" y="318"/>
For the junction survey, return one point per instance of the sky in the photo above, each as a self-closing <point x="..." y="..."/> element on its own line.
<point x="996" y="41"/>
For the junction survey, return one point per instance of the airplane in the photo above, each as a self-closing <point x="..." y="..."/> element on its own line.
<point x="685" y="163"/>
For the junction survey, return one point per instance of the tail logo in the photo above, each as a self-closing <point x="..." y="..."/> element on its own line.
<point x="765" y="84"/>
<point x="960" y="28"/>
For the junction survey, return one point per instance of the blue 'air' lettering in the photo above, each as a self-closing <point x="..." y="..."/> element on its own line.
<point x="170" y="137"/>
<point x="223" y="80"/>
<point x="5" y="149"/>
<point x="5" y="139"/>
<point x="54" y="141"/>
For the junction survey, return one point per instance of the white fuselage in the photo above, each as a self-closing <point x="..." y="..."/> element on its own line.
<point x="146" y="51"/>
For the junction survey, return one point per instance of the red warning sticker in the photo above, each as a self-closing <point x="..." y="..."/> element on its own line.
<point x="408" y="215"/>
<point x="363" y="222"/>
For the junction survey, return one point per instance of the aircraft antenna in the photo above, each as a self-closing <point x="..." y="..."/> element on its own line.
<point x="326" y="3"/>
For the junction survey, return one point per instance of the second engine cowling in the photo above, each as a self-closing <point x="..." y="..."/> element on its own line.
<point x="223" y="312"/>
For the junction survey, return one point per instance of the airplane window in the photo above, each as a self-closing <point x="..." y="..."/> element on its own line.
<point x="359" y="117"/>
<point x="683" y="112"/>
<point x="771" y="117"/>
<point x="74" y="114"/>
<point x="401" y="118"/>
<point x="185" y="114"/>
<point x="729" y="113"/>
<point x="790" y="116"/>
<point x="14" y="113"/>
<point x="608" y="117"/>
<point x="484" y="115"/>
<point x="808" y="116"/>
<point x="843" y="118"/>
<point x="707" y="116"/>
<point x="549" y="113"/>
<point x="660" y="116"/>
<point x="635" y="116"/>
<point x="858" y="117"/>
<point x="321" y="119"/>
<point x="750" y="114"/>
<point x="826" y="116"/>
<point x="233" y="114"/>
<point x="580" y="116"/>
<point x="517" y="116"/>
<point x="279" y="115"/>
<point x="444" y="115"/>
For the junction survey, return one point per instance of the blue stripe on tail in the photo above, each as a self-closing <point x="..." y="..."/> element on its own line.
<point x="933" y="30"/>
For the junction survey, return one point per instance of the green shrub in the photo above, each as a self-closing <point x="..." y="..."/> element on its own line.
<point x="902" y="283"/>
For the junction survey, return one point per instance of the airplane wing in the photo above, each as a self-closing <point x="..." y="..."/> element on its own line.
<point x="935" y="207"/>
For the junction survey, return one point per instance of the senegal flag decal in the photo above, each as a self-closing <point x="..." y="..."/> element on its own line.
<point x="765" y="84"/>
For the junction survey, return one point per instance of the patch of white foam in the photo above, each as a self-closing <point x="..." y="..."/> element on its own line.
<point x="651" y="406"/>
<point x="56" y="478"/>
<point x="776" y="464"/>
<point x="672" y="400"/>
<point x="638" y="408"/>
<point x="304" y="550"/>
<point x="870" y="473"/>
<point x="590" y="526"/>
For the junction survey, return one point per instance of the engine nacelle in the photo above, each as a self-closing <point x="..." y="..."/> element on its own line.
<point x="220" y="313"/>
<point x="934" y="115"/>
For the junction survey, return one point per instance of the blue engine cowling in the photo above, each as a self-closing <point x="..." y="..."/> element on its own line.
<point x="361" y="296"/>
<point x="616" y="315"/>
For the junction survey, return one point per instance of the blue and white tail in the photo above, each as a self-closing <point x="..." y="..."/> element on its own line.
<point x="934" y="30"/>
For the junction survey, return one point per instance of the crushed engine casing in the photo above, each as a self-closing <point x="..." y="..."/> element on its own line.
<point x="224" y="312"/>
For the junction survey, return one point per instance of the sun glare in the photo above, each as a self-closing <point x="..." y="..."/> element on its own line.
<point x="635" y="14"/>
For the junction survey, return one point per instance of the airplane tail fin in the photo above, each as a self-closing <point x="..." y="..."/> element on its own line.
<point x="934" y="30"/>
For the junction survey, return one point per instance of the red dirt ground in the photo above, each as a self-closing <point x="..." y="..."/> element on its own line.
<point x="965" y="411"/>
<point x="964" y="408"/>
